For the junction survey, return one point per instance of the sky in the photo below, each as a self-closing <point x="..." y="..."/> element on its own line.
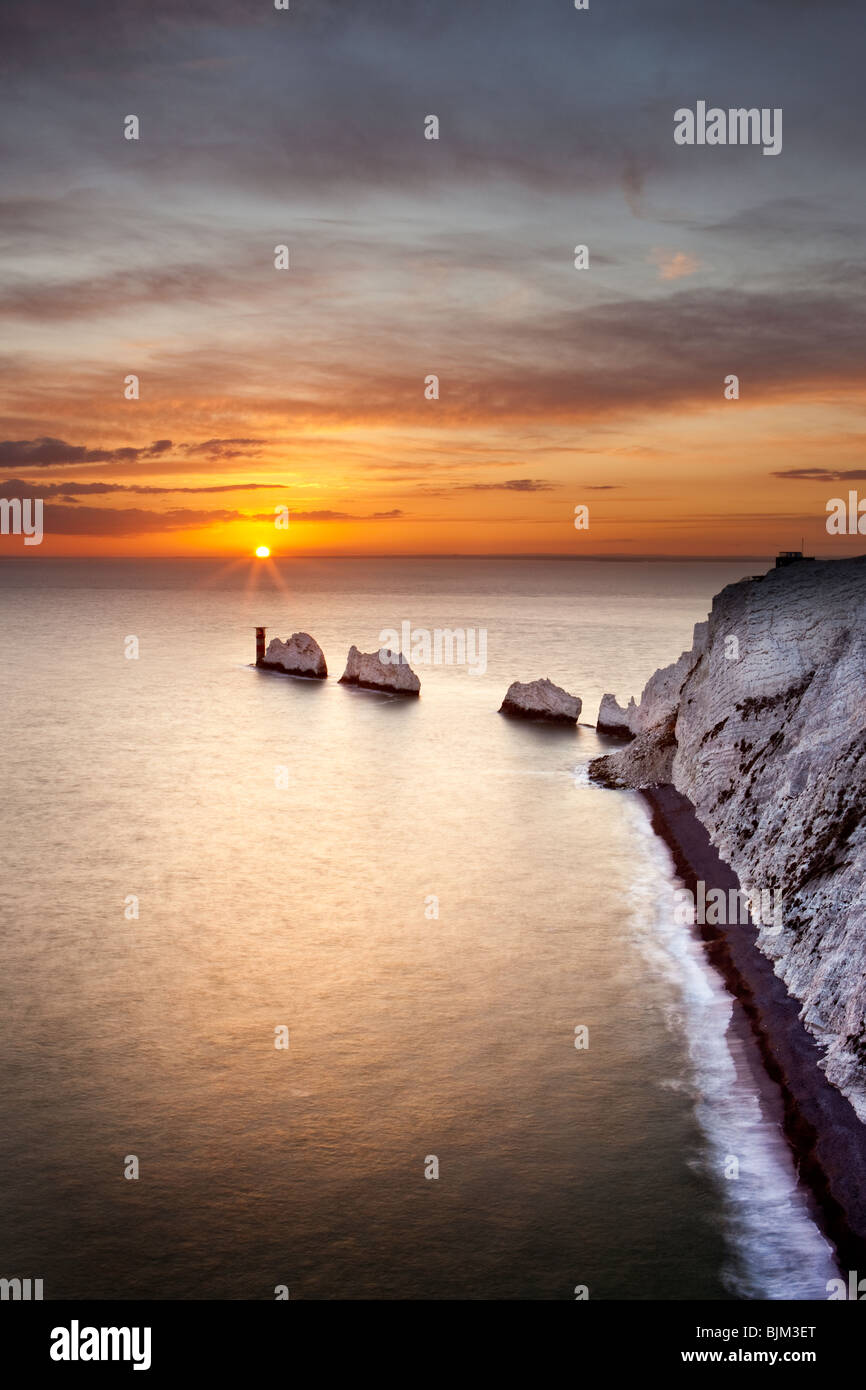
<point x="304" y="389"/>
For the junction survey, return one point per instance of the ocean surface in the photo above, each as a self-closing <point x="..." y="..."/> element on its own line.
<point x="290" y="844"/>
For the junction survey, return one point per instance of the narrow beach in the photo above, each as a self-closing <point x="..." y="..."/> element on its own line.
<point x="821" y="1125"/>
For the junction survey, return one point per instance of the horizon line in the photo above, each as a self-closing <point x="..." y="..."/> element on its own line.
<point x="425" y="555"/>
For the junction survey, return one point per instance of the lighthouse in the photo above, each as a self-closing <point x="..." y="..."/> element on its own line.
<point x="260" y="645"/>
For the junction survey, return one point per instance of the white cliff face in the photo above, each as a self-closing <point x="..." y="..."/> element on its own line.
<point x="661" y="696"/>
<point x="382" y="670"/>
<point x="763" y="727"/>
<point x="300" y="656"/>
<point x="541" y="700"/>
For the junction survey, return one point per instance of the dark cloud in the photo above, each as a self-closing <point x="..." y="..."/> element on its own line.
<point x="821" y="475"/>
<point x="223" y="448"/>
<point x="327" y="515"/>
<point x="511" y="485"/>
<point x="537" y="93"/>
<point x="69" y="491"/>
<point x="128" y="521"/>
<point x="56" y="453"/>
<point x="56" y="299"/>
<point x="771" y="217"/>
<point x="53" y="453"/>
<point x="576" y="363"/>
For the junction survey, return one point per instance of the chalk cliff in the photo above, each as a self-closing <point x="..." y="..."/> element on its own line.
<point x="300" y="656"/>
<point x="541" y="700"/>
<point x="762" y="725"/>
<point x="383" y="670"/>
<point x="613" y="720"/>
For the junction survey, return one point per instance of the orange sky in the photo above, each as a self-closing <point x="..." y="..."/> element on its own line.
<point x="693" y="482"/>
<point x="304" y="387"/>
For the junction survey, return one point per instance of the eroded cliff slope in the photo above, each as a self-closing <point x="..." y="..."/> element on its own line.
<point x="762" y="725"/>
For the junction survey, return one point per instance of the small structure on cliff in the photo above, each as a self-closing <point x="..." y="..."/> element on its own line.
<point x="790" y="557"/>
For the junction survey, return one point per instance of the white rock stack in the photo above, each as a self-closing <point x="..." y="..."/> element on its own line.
<point x="762" y="725"/>
<point x="383" y="670"/>
<point x="300" y="656"/>
<point x="541" y="700"/>
<point x="613" y="720"/>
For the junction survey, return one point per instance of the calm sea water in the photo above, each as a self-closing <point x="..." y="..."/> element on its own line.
<point x="305" y="905"/>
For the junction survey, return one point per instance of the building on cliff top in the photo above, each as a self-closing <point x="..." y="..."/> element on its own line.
<point x="790" y="557"/>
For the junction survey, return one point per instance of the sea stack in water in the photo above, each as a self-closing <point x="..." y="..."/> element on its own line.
<point x="612" y="719"/>
<point x="541" y="700"/>
<point x="383" y="670"/>
<point x="300" y="656"/>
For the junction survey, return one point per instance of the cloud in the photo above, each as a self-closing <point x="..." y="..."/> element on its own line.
<point x="52" y="300"/>
<point x="69" y="491"/>
<point x="129" y="521"/>
<point x="504" y="77"/>
<point x="570" y="363"/>
<point x="78" y="520"/>
<point x="578" y="363"/>
<point x="511" y="485"/>
<point x="821" y="475"/>
<point x="157" y="257"/>
<point x="673" y="265"/>
<point x="222" y="448"/>
<point x="633" y="178"/>
<point x="52" y="453"/>
<point x="327" y="515"/>
<point x="46" y="452"/>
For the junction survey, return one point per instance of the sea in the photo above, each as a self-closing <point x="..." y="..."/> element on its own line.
<point x="310" y="991"/>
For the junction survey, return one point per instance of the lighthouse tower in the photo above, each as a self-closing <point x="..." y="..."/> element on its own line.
<point x="260" y="645"/>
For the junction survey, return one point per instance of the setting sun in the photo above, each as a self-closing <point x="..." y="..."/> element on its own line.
<point x="262" y="552"/>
